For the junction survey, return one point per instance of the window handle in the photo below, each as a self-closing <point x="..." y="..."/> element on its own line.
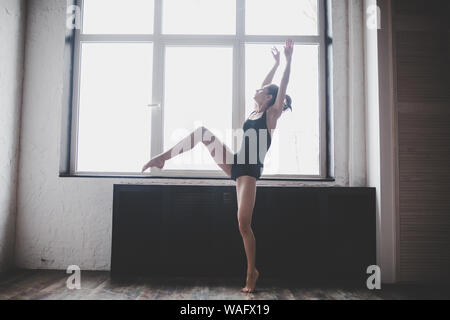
<point x="154" y="105"/>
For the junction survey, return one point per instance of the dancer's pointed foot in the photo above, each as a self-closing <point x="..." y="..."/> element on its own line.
<point x="155" y="162"/>
<point x="252" y="277"/>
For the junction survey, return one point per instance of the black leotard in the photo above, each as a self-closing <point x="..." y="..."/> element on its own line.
<point x="249" y="161"/>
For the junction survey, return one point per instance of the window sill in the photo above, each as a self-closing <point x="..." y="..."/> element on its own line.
<point x="63" y="175"/>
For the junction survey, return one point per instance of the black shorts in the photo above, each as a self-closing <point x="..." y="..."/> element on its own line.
<point x="252" y="170"/>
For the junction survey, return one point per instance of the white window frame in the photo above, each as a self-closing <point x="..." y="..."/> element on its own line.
<point x="237" y="42"/>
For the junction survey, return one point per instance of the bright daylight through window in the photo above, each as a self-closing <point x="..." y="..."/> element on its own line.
<point x="149" y="72"/>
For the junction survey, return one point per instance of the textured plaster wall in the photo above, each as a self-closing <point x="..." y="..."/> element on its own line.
<point x="12" y="23"/>
<point x="64" y="221"/>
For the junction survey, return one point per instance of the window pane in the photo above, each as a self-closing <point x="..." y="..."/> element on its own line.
<point x="198" y="91"/>
<point x="295" y="145"/>
<point x="114" y="122"/>
<point x="281" y="17"/>
<point x="199" y="16"/>
<point x="118" y="16"/>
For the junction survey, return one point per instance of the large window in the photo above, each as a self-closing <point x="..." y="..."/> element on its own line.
<point x="148" y="72"/>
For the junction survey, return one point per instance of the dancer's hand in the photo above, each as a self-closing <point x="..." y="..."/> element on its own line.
<point x="276" y="54"/>
<point x="155" y="162"/>
<point x="288" y="49"/>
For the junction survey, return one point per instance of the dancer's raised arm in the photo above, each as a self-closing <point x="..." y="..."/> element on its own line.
<point x="269" y="77"/>
<point x="279" y="102"/>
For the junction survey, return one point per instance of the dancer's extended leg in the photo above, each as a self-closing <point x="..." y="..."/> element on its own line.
<point x="218" y="150"/>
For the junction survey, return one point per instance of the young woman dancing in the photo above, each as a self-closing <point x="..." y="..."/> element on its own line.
<point x="270" y="102"/>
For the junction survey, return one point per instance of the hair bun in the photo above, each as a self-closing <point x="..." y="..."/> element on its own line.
<point x="287" y="103"/>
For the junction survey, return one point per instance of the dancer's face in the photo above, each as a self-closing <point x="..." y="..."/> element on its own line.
<point x="261" y="96"/>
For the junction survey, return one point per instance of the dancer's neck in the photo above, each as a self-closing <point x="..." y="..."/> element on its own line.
<point x="258" y="108"/>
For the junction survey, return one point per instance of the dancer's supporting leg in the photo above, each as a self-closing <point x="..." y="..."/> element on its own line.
<point x="246" y="192"/>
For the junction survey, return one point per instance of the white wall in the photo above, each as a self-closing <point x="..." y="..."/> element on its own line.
<point x="380" y="136"/>
<point x="357" y="121"/>
<point x="12" y="23"/>
<point x="63" y="221"/>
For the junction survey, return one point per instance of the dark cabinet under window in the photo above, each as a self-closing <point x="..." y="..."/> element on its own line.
<point x="303" y="234"/>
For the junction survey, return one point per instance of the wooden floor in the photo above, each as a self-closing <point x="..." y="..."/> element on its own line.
<point x="97" y="285"/>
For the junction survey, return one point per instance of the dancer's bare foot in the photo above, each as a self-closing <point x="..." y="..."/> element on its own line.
<point x="157" y="161"/>
<point x="251" y="282"/>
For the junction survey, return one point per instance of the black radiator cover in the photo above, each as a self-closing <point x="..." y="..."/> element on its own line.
<point x="303" y="234"/>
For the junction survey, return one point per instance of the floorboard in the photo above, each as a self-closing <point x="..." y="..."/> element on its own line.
<point x="98" y="285"/>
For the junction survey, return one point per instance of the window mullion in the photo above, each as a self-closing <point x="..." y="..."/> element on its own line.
<point x="240" y="19"/>
<point x="157" y="129"/>
<point x="322" y="90"/>
<point x="76" y="96"/>
<point x="239" y="63"/>
<point x="117" y="37"/>
<point x="282" y="39"/>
